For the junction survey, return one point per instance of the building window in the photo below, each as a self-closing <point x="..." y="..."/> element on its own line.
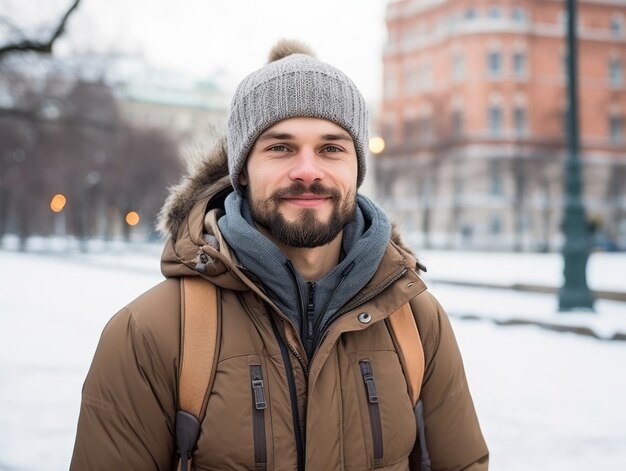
<point x="410" y="80"/>
<point x="457" y="123"/>
<point x="425" y="76"/>
<point x="519" y="64"/>
<point x="425" y="129"/>
<point x="451" y="21"/>
<point x="495" y="225"/>
<point x="520" y="122"/>
<point x="495" y="12"/>
<point x="616" y="78"/>
<point x="616" y="129"/>
<point x="518" y="14"/>
<point x="494" y="63"/>
<point x="458" y="178"/>
<point x="495" y="178"/>
<point x="495" y="120"/>
<point x="617" y="26"/>
<point x="410" y="132"/>
<point x="470" y="14"/>
<point x="458" y="67"/>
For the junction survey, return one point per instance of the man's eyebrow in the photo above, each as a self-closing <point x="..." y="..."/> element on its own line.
<point x="337" y="137"/>
<point x="271" y="135"/>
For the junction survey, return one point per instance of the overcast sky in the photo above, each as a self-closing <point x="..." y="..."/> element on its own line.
<point x="202" y="36"/>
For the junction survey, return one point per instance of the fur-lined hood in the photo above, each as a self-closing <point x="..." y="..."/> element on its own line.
<point x="202" y="175"/>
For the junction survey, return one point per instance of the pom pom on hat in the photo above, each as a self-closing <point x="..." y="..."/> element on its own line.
<point x="287" y="47"/>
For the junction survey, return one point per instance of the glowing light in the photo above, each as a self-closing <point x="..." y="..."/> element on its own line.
<point x="58" y="203"/>
<point x="132" y="218"/>
<point x="377" y="145"/>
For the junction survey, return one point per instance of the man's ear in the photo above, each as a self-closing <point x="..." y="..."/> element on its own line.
<point x="243" y="177"/>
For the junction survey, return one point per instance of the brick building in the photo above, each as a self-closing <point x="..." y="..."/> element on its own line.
<point x="473" y="117"/>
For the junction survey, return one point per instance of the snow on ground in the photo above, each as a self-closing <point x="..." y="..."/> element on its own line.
<point x="605" y="271"/>
<point x="546" y="400"/>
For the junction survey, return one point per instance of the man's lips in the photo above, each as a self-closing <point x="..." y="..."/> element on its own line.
<point x="307" y="201"/>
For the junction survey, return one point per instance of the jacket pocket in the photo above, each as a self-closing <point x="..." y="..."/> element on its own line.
<point x="259" y="404"/>
<point x="374" y="411"/>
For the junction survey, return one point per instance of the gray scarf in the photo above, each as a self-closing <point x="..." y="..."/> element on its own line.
<point x="364" y="242"/>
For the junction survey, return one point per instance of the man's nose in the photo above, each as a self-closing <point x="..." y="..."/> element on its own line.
<point x="306" y="167"/>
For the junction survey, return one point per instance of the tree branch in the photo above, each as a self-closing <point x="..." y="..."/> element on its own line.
<point x="38" y="46"/>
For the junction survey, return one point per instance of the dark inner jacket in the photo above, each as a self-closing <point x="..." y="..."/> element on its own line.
<point x="318" y="412"/>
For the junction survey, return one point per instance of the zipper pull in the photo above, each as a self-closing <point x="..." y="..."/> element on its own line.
<point x="258" y="387"/>
<point x="368" y="378"/>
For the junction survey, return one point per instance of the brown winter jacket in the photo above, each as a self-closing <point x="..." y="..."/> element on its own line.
<point x="129" y="403"/>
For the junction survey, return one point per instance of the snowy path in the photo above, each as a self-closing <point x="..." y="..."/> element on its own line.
<point x="546" y="401"/>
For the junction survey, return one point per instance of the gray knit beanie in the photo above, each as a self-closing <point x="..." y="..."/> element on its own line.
<point x="293" y="84"/>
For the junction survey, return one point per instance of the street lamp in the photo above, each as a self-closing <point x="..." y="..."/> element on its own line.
<point x="376" y="145"/>
<point x="574" y="294"/>
<point x="132" y="218"/>
<point x="57" y="205"/>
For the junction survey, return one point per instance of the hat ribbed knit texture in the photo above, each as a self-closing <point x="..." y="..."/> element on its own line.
<point x="296" y="86"/>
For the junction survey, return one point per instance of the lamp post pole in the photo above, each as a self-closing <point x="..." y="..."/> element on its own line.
<point x="574" y="294"/>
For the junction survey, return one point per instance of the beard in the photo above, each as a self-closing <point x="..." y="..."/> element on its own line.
<point x="307" y="231"/>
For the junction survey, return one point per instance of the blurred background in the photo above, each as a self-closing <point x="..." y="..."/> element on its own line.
<point x="468" y="99"/>
<point x="497" y="145"/>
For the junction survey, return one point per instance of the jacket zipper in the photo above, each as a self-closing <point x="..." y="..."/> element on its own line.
<point x="259" y="405"/>
<point x="301" y="306"/>
<point x="293" y="350"/>
<point x="291" y="382"/>
<point x="357" y="303"/>
<point x="310" y="317"/>
<point x="374" y="410"/>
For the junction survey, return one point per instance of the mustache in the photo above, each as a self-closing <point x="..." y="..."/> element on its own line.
<point x="299" y="188"/>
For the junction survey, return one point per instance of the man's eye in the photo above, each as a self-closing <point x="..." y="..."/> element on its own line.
<point x="278" y="148"/>
<point x="332" y="149"/>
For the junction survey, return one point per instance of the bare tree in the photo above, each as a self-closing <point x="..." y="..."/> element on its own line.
<point x="519" y="170"/>
<point x="88" y="151"/>
<point x="72" y="141"/>
<point x="15" y="142"/>
<point x="24" y="44"/>
<point x="441" y="138"/>
<point x="543" y="182"/>
<point x="151" y="165"/>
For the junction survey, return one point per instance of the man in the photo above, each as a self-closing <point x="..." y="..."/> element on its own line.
<point x="306" y="275"/>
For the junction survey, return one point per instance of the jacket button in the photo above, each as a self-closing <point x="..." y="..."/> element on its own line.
<point x="364" y="318"/>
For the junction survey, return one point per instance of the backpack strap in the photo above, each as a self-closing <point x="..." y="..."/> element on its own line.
<point x="198" y="345"/>
<point x="409" y="347"/>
